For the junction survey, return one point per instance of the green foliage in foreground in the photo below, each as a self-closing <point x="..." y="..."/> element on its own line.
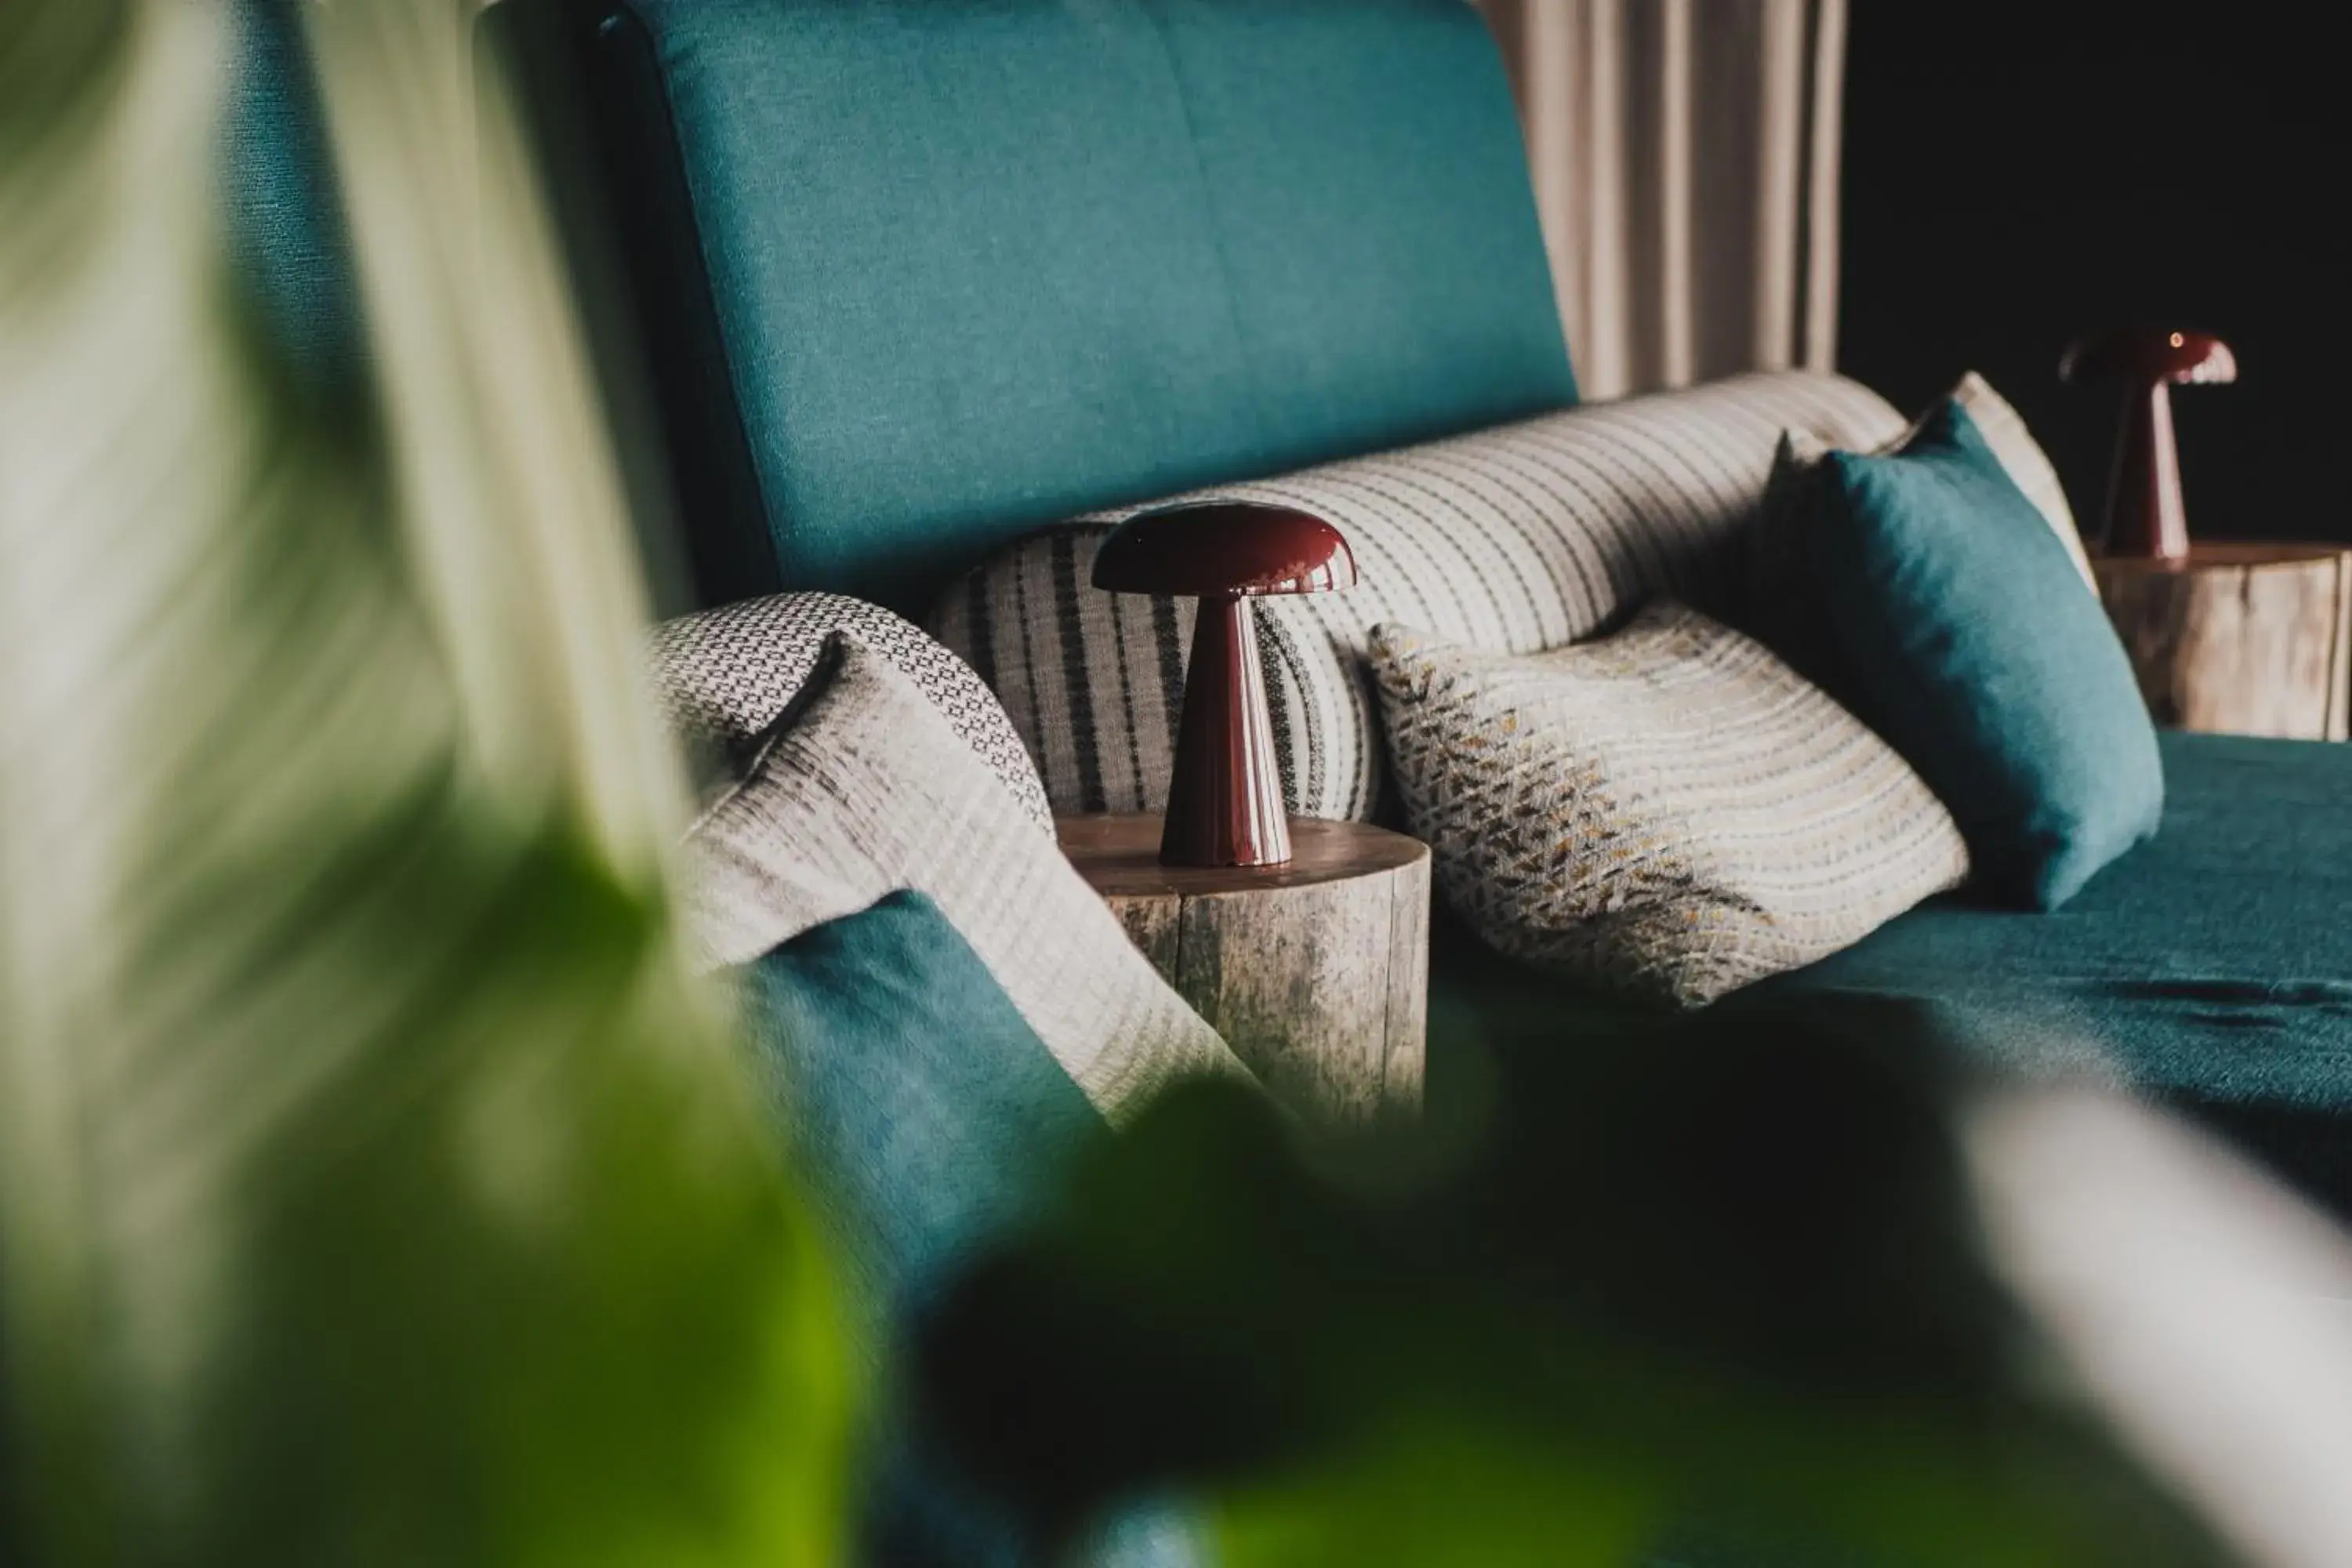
<point x="373" y="1188"/>
<point x="1715" y="1282"/>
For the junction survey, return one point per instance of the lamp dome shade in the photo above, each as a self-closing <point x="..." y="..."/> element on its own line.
<point x="2150" y="354"/>
<point x="1243" y="548"/>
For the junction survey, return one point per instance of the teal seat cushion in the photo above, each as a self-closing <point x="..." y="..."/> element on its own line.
<point x="1966" y="638"/>
<point x="932" y="275"/>
<point x="2210" y="970"/>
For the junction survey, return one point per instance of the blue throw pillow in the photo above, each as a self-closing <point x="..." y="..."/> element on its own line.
<point x="928" y="1117"/>
<point x="1967" y="641"/>
<point x="925" y="1113"/>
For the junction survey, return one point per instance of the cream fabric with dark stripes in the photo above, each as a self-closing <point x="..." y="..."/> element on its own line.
<point x="1668" y="809"/>
<point x="1516" y="539"/>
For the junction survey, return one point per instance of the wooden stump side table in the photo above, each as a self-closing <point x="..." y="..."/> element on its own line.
<point x="2246" y="640"/>
<point x="1315" y="971"/>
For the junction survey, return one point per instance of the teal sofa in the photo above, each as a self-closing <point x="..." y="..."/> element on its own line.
<point x="910" y="280"/>
<point x="915" y="279"/>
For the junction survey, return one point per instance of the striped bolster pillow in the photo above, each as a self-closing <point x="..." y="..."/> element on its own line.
<point x="1512" y="539"/>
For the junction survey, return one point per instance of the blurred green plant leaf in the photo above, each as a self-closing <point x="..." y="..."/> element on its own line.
<point x="375" y="1186"/>
<point x="1719" y="1276"/>
<point x="1432" y="1491"/>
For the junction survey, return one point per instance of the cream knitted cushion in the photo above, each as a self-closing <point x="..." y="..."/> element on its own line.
<point x="1669" y="809"/>
<point x="867" y="790"/>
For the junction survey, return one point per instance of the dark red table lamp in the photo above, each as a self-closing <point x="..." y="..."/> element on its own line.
<point x="1225" y="799"/>
<point x="2146" y="519"/>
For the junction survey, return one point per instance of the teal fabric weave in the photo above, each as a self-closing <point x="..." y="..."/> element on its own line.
<point x="926" y="1112"/>
<point x="2209" y="969"/>
<point x="976" y="268"/>
<point x="927" y="1119"/>
<point x="1965" y="639"/>
<point x="284" y="216"/>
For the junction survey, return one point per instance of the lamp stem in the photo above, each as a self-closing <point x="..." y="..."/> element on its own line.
<point x="2146" y="518"/>
<point x="1225" y="800"/>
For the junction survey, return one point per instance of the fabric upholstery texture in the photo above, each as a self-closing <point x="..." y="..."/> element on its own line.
<point x="2211" y="969"/>
<point x="724" y="676"/>
<point x="2208" y="971"/>
<point x="1964" y="637"/>
<point x="927" y="1120"/>
<point x="1515" y="539"/>
<point x="2022" y="459"/>
<point x="964" y="269"/>
<point x="867" y="792"/>
<point x="925" y="1110"/>
<point x="1668" y="809"/>
<point x="1783" y="600"/>
<point x="286" y="221"/>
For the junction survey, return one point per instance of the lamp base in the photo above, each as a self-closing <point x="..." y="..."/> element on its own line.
<point x="1225" y="800"/>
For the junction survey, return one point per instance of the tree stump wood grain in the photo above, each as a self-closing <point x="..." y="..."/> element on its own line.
<point x="1315" y="971"/>
<point x="2247" y="639"/>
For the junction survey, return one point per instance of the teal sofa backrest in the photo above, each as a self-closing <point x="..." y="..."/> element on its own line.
<point x="921" y="275"/>
<point x="284" y="217"/>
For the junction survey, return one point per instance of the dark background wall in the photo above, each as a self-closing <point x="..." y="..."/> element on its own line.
<point x="2017" y="174"/>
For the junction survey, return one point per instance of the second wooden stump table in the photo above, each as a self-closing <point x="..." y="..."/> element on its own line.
<point x="1315" y="971"/>
<point x="2247" y="639"/>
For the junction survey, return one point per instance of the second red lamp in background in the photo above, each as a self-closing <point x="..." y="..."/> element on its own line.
<point x="2146" y="518"/>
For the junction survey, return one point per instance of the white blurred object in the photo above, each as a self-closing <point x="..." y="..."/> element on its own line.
<point x="2203" y="1308"/>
